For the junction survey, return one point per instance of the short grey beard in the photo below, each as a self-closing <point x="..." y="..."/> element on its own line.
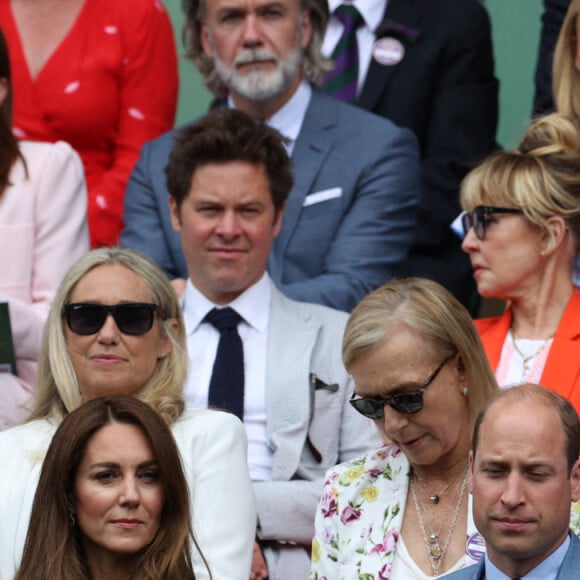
<point x="260" y="85"/>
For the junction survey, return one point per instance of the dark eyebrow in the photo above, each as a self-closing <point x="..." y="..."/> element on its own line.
<point x="113" y="465"/>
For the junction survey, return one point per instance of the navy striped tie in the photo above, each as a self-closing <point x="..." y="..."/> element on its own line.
<point x="341" y="82"/>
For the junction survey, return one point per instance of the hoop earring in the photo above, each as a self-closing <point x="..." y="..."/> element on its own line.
<point x="71" y="516"/>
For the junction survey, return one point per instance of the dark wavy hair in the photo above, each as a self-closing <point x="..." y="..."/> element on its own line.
<point x="9" y="145"/>
<point x="53" y="548"/>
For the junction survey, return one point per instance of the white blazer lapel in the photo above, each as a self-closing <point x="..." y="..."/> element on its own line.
<point x="291" y="341"/>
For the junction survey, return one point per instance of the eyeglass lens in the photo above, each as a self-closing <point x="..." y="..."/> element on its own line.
<point x="131" y="318"/>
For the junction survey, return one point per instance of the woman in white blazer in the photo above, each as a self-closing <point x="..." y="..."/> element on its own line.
<point x="43" y="231"/>
<point x="115" y="327"/>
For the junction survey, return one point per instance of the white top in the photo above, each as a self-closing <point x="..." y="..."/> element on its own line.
<point x="511" y="370"/>
<point x="405" y="568"/>
<point x="212" y="446"/>
<point x="372" y="12"/>
<point x="202" y="343"/>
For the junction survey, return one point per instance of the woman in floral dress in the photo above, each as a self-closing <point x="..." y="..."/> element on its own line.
<point x="403" y="511"/>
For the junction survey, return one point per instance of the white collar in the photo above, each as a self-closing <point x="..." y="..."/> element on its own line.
<point x="249" y="305"/>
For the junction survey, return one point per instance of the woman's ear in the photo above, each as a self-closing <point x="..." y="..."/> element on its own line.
<point x="460" y="369"/>
<point x="169" y="332"/>
<point x="554" y="235"/>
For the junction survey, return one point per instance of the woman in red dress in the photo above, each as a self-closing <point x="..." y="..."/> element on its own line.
<point x="99" y="74"/>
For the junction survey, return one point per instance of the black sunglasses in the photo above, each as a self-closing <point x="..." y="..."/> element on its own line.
<point x="407" y="403"/>
<point x="478" y="219"/>
<point x="130" y="317"/>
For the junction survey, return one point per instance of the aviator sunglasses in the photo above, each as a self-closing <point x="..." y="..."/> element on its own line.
<point x="130" y="317"/>
<point x="478" y="219"/>
<point x="407" y="403"/>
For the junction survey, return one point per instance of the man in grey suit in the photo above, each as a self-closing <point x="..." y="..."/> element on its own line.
<point x="524" y="474"/>
<point x="350" y="217"/>
<point x="229" y="177"/>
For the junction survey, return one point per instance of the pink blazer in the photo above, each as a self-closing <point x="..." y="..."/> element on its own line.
<point x="43" y="231"/>
<point x="562" y="371"/>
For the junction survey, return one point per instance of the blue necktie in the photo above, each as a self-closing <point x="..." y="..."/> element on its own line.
<point x="226" y="387"/>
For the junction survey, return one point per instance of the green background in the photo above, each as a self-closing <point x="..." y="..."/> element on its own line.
<point x="516" y="29"/>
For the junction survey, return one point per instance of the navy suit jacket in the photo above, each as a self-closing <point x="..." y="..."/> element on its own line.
<point x="329" y="251"/>
<point x="445" y="91"/>
<point x="570" y="569"/>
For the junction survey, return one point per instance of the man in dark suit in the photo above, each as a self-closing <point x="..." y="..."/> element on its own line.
<point x="524" y="474"/>
<point x="350" y="218"/>
<point x="428" y="65"/>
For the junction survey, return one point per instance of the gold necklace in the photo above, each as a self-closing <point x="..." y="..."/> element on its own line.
<point x="526" y="359"/>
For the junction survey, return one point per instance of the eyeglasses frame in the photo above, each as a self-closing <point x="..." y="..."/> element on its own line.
<point x="111" y="309"/>
<point x="388" y="400"/>
<point x="478" y="216"/>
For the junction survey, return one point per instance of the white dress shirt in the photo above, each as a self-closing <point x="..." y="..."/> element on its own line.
<point x="372" y="12"/>
<point x="288" y="120"/>
<point x="202" y="343"/>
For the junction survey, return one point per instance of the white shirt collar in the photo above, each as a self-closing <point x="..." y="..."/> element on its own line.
<point x="288" y="120"/>
<point x="249" y="305"/>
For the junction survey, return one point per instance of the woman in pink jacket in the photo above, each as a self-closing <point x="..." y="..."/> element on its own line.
<point x="43" y="231"/>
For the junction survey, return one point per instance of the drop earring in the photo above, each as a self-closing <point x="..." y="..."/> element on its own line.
<point x="465" y="391"/>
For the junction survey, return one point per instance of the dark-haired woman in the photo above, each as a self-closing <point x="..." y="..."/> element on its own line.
<point x="113" y="494"/>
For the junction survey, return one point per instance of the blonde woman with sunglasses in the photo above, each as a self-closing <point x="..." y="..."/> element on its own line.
<point x="115" y="327"/>
<point x="402" y="512"/>
<point x="522" y="231"/>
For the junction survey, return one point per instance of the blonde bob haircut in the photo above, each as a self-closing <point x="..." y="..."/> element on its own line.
<point x="541" y="177"/>
<point x="58" y="390"/>
<point x="434" y="314"/>
<point x="565" y="75"/>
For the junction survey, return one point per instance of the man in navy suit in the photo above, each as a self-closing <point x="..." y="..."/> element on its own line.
<point x="427" y="65"/>
<point x="350" y="218"/>
<point x="524" y="474"/>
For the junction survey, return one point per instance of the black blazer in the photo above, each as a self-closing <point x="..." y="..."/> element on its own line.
<point x="445" y="91"/>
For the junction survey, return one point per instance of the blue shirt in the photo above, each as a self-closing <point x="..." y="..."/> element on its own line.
<point x="546" y="570"/>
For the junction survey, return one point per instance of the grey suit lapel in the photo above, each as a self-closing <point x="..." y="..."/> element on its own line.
<point x="316" y="139"/>
<point x="291" y="341"/>
<point x="378" y="75"/>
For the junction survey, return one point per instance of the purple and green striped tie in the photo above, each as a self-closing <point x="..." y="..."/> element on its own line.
<point x="341" y="82"/>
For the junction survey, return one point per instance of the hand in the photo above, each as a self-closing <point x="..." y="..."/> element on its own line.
<point x="259" y="568"/>
<point x="178" y="285"/>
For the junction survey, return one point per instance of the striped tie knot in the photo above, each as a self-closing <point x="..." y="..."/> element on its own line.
<point x="341" y="82"/>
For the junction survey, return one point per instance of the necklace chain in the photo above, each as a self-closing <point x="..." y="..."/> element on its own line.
<point x="526" y="359"/>
<point x="434" y="498"/>
<point x="435" y="551"/>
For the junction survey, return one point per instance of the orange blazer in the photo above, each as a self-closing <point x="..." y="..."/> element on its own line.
<point x="562" y="371"/>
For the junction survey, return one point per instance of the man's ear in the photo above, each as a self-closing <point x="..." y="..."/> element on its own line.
<point x="174" y="212"/>
<point x="471" y="459"/>
<point x="205" y="40"/>
<point x="575" y="481"/>
<point x="306" y="32"/>
<point x="278" y="220"/>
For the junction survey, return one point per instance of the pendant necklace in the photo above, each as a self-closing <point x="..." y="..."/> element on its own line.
<point x="434" y="498"/>
<point x="435" y="550"/>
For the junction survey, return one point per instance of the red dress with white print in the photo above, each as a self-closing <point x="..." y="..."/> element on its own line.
<point x="108" y="87"/>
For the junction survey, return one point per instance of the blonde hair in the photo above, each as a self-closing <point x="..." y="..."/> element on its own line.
<point x="58" y="391"/>
<point x="541" y="177"/>
<point x="436" y="315"/>
<point x="565" y="76"/>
